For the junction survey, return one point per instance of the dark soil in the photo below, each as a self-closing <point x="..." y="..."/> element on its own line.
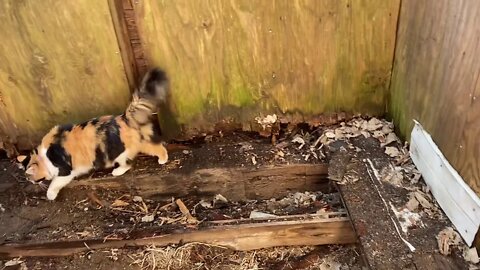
<point x="26" y="215"/>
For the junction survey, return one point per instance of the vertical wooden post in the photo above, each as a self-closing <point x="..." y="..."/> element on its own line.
<point x="123" y="39"/>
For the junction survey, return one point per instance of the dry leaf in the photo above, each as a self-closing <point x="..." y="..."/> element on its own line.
<point x="148" y="218"/>
<point x="365" y="134"/>
<point x="299" y="140"/>
<point x="205" y="204"/>
<point x="471" y="255"/>
<point x="446" y="238"/>
<point x="422" y="200"/>
<point x="391" y="137"/>
<point x="119" y="203"/>
<point x="137" y="199"/>
<point x="339" y="134"/>
<point x="254" y="161"/>
<point x="220" y="198"/>
<point x="267" y="120"/>
<point x="261" y="215"/>
<point x="84" y="234"/>
<point x="412" y="204"/>
<point x="373" y="124"/>
<point x="330" y="134"/>
<point x="13" y="262"/>
<point x="392" y="151"/>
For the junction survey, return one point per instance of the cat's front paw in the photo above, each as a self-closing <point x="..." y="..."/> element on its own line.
<point x="120" y="170"/>
<point x="162" y="160"/>
<point x="52" y="194"/>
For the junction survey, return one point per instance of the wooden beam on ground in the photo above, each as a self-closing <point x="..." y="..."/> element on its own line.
<point x="306" y="230"/>
<point x="233" y="183"/>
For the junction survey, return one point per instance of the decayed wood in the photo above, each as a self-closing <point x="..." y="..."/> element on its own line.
<point x="57" y="67"/>
<point x="123" y="38"/>
<point x="436" y="78"/>
<point x="238" y="237"/>
<point x="234" y="184"/>
<point x="237" y="59"/>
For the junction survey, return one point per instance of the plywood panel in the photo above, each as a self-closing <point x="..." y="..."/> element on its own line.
<point x="236" y="58"/>
<point x="59" y="62"/>
<point x="436" y="69"/>
<point x="467" y="158"/>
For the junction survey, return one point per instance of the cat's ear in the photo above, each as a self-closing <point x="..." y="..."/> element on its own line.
<point x="32" y="169"/>
<point x="21" y="158"/>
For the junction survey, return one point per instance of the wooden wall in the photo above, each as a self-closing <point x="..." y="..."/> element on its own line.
<point x="436" y="78"/>
<point x="59" y="62"/>
<point x="63" y="61"/>
<point x="239" y="58"/>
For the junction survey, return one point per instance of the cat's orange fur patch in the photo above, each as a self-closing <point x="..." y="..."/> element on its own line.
<point x="80" y="143"/>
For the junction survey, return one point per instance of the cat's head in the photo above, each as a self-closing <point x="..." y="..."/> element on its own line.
<point x="35" y="167"/>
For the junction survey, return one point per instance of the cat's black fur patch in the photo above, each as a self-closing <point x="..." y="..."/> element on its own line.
<point x="99" y="161"/>
<point x="113" y="144"/>
<point x="125" y="119"/>
<point x="156" y="136"/>
<point x="60" y="159"/>
<point x="64" y="128"/>
<point x="84" y="124"/>
<point x="26" y="161"/>
<point x="156" y="76"/>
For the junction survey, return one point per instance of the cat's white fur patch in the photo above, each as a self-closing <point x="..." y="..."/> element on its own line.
<point x="52" y="170"/>
<point x="122" y="161"/>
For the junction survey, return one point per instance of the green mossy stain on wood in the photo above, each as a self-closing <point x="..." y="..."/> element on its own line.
<point x="56" y="66"/>
<point x="309" y="57"/>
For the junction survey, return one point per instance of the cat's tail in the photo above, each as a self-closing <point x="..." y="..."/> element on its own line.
<point x="152" y="91"/>
<point x="154" y="85"/>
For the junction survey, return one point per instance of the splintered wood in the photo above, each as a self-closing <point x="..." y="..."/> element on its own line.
<point x="235" y="184"/>
<point x="327" y="224"/>
<point x="317" y="229"/>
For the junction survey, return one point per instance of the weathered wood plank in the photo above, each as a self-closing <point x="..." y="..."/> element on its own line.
<point x="123" y="37"/>
<point x="57" y="66"/>
<point x="436" y="72"/>
<point x="235" y="184"/>
<point x="235" y="59"/>
<point x="239" y="237"/>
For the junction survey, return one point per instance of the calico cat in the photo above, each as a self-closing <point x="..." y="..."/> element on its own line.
<point x="68" y="151"/>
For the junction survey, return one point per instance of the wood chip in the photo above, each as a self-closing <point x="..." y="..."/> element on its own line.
<point x="92" y="196"/>
<point x="119" y="203"/>
<point x="186" y="212"/>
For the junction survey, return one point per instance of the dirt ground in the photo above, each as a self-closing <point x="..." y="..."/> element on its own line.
<point x="82" y="213"/>
<point x="26" y="215"/>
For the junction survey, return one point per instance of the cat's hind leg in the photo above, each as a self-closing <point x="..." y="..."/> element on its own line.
<point x="123" y="166"/>
<point x="156" y="149"/>
<point x="57" y="184"/>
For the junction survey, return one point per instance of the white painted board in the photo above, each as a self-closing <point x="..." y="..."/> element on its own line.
<point x="459" y="202"/>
